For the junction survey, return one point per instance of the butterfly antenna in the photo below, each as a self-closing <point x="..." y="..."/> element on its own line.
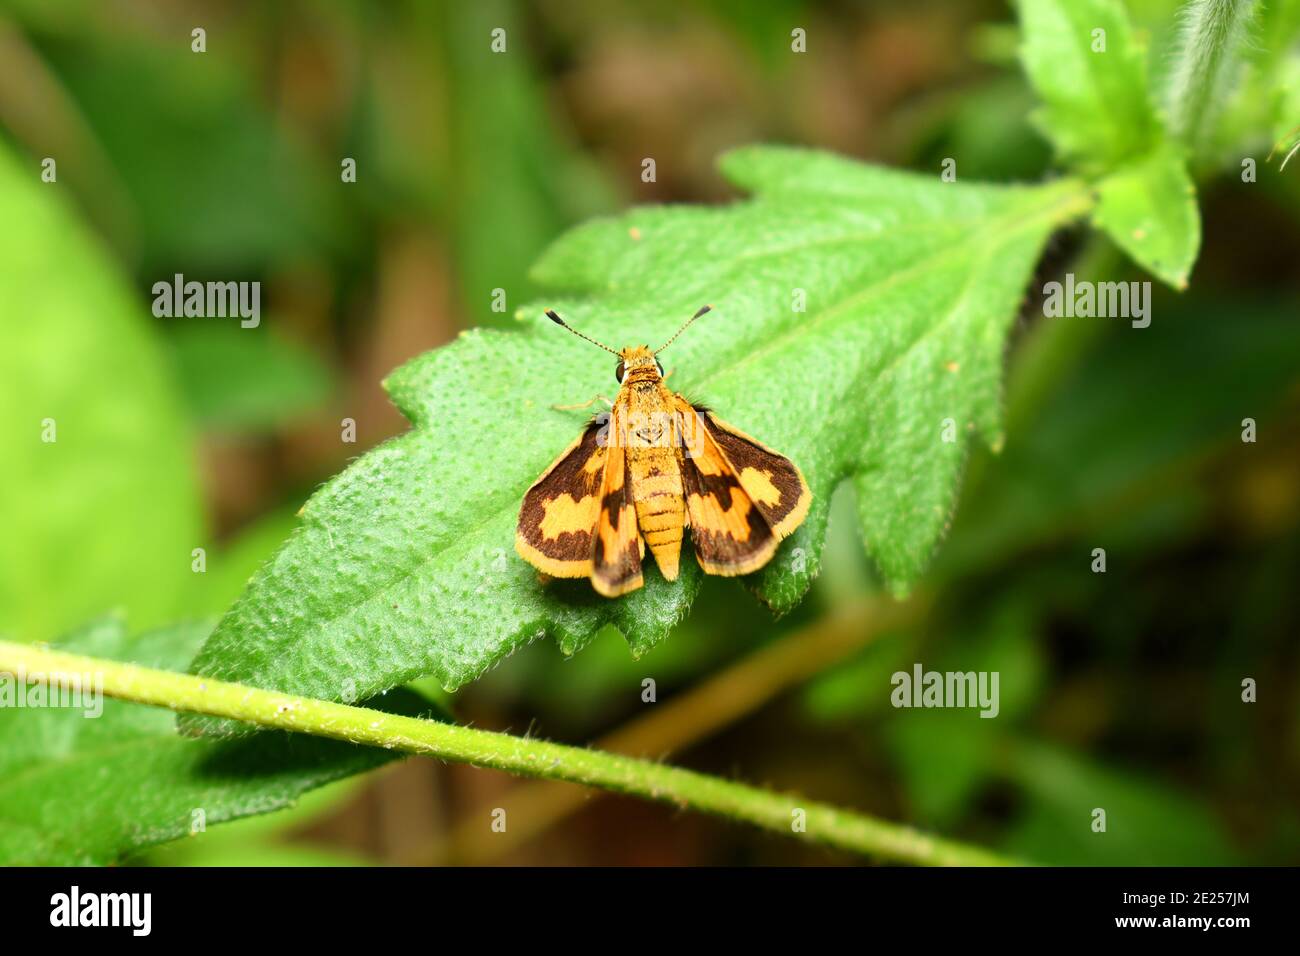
<point x="550" y="314"/>
<point x="707" y="308"/>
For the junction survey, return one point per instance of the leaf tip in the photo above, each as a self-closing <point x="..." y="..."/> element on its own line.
<point x="900" y="589"/>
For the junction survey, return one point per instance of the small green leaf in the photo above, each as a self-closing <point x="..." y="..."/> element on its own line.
<point x="99" y="505"/>
<point x="404" y="564"/>
<point x="77" y="789"/>
<point x="1091" y="75"/>
<point x="1149" y="208"/>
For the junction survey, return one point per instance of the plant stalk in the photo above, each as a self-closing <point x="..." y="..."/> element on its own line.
<point x="690" y="716"/>
<point x="1208" y="57"/>
<point x="780" y="813"/>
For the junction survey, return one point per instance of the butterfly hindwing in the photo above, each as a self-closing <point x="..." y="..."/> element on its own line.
<point x="617" y="548"/>
<point x="557" y="522"/>
<point x="742" y="497"/>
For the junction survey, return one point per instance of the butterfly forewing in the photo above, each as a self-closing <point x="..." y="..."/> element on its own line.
<point x="557" y="521"/>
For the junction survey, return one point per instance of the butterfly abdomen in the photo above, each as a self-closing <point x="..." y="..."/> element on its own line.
<point x="660" y="507"/>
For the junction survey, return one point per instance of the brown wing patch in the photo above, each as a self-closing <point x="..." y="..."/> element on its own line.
<point x="772" y="481"/>
<point x="742" y="498"/>
<point x="557" y="521"/>
<point x="617" y="548"/>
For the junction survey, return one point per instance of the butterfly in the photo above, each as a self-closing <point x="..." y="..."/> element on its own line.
<point x="646" y="472"/>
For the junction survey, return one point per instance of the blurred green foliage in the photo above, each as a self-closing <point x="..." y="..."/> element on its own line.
<point x="100" y="507"/>
<point x="246" y="381"/>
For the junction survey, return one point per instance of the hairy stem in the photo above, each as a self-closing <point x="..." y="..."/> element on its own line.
<point x="687" y="718"/>
<point x="780" y="813"/>
<point x="1208" y="56"/>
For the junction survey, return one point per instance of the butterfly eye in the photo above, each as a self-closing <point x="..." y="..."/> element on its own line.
<point x="660" y="368"/>
<point x="618" y="373"/>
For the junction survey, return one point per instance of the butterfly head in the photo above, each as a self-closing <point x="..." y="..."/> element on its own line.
<point x="638" y="364"/>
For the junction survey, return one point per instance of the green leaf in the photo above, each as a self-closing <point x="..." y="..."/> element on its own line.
<point x="404" y="564"/>
<point x="1147" y="822"/>
<point x="1149" y="208"/>
<point x="945" y="756"/>
<point x="77" y="789"/>
<point x="269" y="839"/>
<point x="1090" y="464"/>
<point x="1097" y="109"/>
<point x="106" y="514"/>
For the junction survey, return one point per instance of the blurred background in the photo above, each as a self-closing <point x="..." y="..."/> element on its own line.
<point x="1120" y="690"/>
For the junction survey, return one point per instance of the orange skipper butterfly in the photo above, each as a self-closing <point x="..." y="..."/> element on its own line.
<point x="646" y="472"/>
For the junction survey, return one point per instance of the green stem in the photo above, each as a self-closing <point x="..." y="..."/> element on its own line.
<point x="1212" y="35"/>
<point x="779" y="813"/>
<point x="690" y="716"/>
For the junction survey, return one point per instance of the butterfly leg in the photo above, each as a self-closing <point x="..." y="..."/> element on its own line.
<point x="586" y="404"/>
